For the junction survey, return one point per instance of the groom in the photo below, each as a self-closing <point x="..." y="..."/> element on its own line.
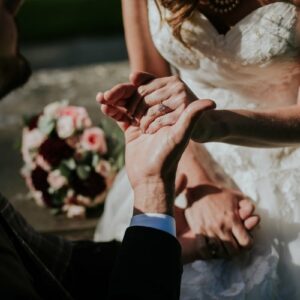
<point x="147" y="263"/>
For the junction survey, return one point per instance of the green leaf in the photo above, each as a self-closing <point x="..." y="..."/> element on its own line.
<point x="46" y="125"/>
<point x="95" y="160"/>
<point x="70" y="163"/>
<point x="28" y="118"/>
<point x="83" y="172"/>
<point x="65" y="171"/>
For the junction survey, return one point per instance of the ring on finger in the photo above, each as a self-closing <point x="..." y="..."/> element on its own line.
<point x="163" y="108"/>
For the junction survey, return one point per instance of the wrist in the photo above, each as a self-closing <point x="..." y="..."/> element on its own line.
<point x="154" y="196"/>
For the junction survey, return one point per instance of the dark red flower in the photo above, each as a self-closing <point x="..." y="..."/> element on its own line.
<point x="39" y="179"/>
<point x="47" y="200"/>
<point x="54" y="150"/>
<point x="93" y="186"/>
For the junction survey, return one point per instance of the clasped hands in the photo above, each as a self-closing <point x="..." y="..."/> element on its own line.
<point x="158" y="117"/>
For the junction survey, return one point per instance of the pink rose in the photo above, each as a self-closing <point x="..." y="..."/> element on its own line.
<point x="103" y="168"/>
<point x="38" y="197"/>
<point x="41" y="162"/>
<point x="56" y="180"/>
<point x="93" y="139"/>
<point x="78" y="114"/>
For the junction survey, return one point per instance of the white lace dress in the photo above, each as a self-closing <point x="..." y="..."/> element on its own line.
<point x="255" y="65"/>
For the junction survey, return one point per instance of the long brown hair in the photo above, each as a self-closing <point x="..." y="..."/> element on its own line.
<point x="183" y="9"/>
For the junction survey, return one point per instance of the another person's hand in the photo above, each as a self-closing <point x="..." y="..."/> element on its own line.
<point x="217" y="225"/>
<point x="152" y="102"/>
<point x="151" y="160"/>
<point x="225" y="217"/>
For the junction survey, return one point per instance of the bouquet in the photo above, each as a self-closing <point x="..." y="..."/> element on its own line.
<point x="67" y="165"/>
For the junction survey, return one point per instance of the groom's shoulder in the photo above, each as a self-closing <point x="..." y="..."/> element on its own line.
<point x="3" y="202"/>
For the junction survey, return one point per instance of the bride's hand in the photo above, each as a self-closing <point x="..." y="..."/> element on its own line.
<point x="163" y="100"/>
<point x="220" y="221"/>
<point x="149" y="101"/>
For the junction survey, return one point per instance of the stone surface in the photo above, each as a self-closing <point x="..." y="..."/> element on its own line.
<point x="75" y="52"/>
<point x="78" y="85"/>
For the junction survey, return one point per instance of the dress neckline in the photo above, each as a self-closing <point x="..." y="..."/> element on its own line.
<point x="242" y="20"/>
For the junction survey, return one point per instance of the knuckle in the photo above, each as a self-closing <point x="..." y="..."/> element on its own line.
<point x="200" y="229"/>
<point x="214" y="225"/>
<point x="141" y="90"/>
<point x="180" y="88"/>
<point x="105" y="109"/>
<point x="252" y="205"/>
<point x="152" y="111"/>
<point x="175" y="78"/>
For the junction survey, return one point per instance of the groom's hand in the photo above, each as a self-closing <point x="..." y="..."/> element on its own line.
<point x="151" y="160"/>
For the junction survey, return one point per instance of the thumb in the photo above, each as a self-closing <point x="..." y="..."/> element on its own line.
<point x="139" y="78"/>
<point x="183" y="128"/>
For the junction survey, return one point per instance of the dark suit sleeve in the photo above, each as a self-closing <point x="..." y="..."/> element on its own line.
<point x="89" y="271"/>
<point x="15" y="281"/>
<point x="148" y="266"/>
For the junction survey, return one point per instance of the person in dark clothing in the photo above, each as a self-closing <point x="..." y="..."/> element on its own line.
<point x="146" y="265"/>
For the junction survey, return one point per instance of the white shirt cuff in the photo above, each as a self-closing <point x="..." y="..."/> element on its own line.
<point x="157" y="221"/>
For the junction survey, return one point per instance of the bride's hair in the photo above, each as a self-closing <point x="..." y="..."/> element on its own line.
<point x="183" y="9"/>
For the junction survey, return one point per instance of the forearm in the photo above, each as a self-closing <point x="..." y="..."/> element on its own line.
<point x="198" y="167"/>
<point x="266" y="128"/>
<point x="142" y="53"/>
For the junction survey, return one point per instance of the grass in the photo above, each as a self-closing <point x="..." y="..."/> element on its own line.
<point x="57" y="19"/>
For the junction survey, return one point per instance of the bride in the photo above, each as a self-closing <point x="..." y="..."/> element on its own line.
<point x="245" y="55"/>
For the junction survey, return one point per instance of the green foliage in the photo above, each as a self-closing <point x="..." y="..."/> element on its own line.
<point x="46" y="124"/>
<point x="83" y="172"/>
<point x="115" y="143"/>
<point x="53" y="19"/>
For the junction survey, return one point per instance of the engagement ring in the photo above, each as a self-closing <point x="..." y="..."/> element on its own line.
<point x="163" y="108"/>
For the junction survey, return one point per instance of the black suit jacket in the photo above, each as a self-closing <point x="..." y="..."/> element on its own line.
<point x="148" y="266"/>
<point x="33" y="266"/>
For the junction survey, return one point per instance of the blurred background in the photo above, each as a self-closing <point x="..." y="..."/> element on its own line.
<point x="56" y="33"/>
<point x="76" y="48"/>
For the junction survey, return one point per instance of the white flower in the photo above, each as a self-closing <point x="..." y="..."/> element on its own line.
<point x="38" y="197"/>
<point x="52" y="109"/>
<point x="79" y="116"/>
<point x="56" y="180"/>
<point x="65" y="127"/>
<point x="82" y="120"/>
<point x="74" y="211"/>
<point x="31" y="141"/>
<point x="93" y="139"/>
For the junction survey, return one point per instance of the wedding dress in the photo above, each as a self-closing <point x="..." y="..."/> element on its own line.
<point x="256" y="64"/>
